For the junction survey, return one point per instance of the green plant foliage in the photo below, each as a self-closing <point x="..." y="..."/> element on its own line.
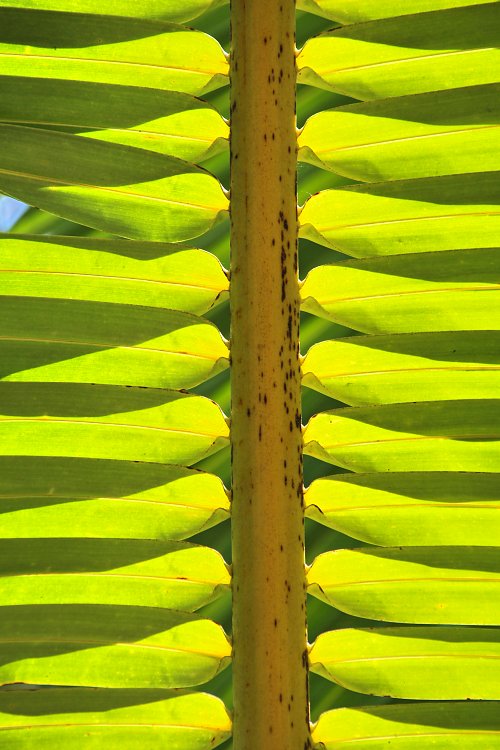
<point x="126" y="717"/>
<point x="173" y="124"/>
<point x="412" y="662"/>
<point x="459" y="725"/>
<point x="455" y="290"/>
<point x="119" y="271"/>
<point x="167" y="10"/>
<point x="415" y="508"/>
<point x="353" y="11"/>
<point x="406" y="54"/>
<point x="101" y="332"/>
<point x="109" y="49"/>
<point x="443" y="132"/>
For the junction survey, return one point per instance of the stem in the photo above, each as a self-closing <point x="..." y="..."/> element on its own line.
<point x="269" y="620"/>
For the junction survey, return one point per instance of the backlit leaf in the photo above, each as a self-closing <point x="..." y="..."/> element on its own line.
<point x="456" y="290"/>
<point x="41" y="497"/>
<point x="425" y="135"/>
<point x="135" y="273"/>
<point x="148" y="573"/>
<point x="441" y="585"/>
<point x="424" y="663"/>
<point x="412" y="508"/>
<point x="170" y="123"/>
<point x="407" y="216"/>
<point x="114" y="188"/>
<point x="109" y="646"/>
<point x="112" y="719"/>
<point x="109" y="49"/>
<point x="93" y="342"/>
<point x="430" y="436"/>
<point x="368" y="370"/>
<point x="405" y="55"/>
<point x="456" y="726"/>
<point x="104" y="421"/>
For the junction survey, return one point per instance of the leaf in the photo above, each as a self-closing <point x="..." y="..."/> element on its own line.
<point x="170" y="123"/>
<point x="112" y="719"/>
<point x="109" y="49"/>
<point x="432" y="436"/>
<point x="114" y="188"/>
<point x="148" y="573"/>
<point x="352" y="11"/>
<point x="109" y="646"/>
<point x="103" y="421"/>
<point x="405" y="55"/>
<point x="167" y="10"/>
<point x="123" y="271"/>
<point x="41" y="497"/>
<point x="424" y="663"/>
<point x="409" y="216"/>
<point x="412" y="508"/>
<point x="368" y="370"/>
<point x="452" y="725"/>
<point x="423" y="585"/>
<point x="425" y="135"/>
<point x="447" y="291"/>
<point x="94" y="342"/>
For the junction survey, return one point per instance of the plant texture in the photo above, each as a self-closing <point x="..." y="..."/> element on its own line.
<point x="187" y="331"/>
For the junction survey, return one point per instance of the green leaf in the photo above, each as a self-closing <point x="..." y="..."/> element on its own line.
<point x="94" y="342"/>
<point x="109" y="49"/>
<point x="425" y="135"/>
<point x="126" y="191"/>
<point x="103" y="421"/>
<point x="135" y="273"/>
<point x="410" y="508"/>
<point x="425" y="663"/>
<point x="368" y="370"/>
<point x="448" y="291"/>
<point x="454" y="726"/>
<point x="112" y="719"/>
<point x="41" y="497"/>
<point x="408" y="216"/>
<point x="432" y="436"/>
<point x="109" y="646"/>
<point x="170" y="123"/>
<point x="353" y="11"/>
<point x="166" y="10"/>
<point x="423" y="585"/>
<point x="148" y="573"/>
<point x="405" y="55"/>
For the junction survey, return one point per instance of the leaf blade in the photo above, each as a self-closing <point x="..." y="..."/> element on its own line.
<point x="129" y="192"/>
<point x="422" y="663"/>
<point x="405" y="54"/>
<point x="76" y="46"/>
<point x="421" y="585"/>
<point x="382" y="509"/>
<point x="109" y="718"/>
<point x="40" y="497"/>
<point x="456" y="724"/>
<point x="82" y="645"/>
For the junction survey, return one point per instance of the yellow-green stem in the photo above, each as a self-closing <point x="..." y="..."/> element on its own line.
<point x="269" y="619"/>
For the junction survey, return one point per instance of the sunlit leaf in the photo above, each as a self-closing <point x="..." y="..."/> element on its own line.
<point x="425" y="135"/>
<point x="109" y="646"/>
<point x="112" y="719"/>
<point x="425" y="508"/>
<point x="425" y="663"/>
<point x="136" y="273"/>
<point x="109" y="49"/>
<point x="442" y="585"/>
<point x="405" y="55"/>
